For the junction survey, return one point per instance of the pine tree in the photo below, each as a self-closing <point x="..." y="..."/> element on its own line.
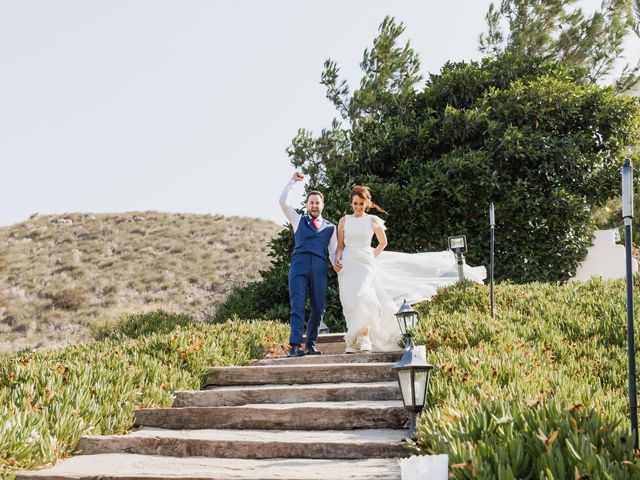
<point x="557" y="29"/>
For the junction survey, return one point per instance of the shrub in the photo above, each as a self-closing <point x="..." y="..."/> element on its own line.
<point x="68" y="299"/>
<point x="49" y="399"/>
<point x="141" y="324"/>
<point x="540" y="391"/>
<point x="530" y="135"/>
<point x="515" y="131"/>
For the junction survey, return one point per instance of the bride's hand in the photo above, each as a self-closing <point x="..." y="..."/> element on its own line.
<point x="338" y="266"/>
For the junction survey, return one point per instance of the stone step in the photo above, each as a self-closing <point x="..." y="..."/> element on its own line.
<point x="300" y="373"/>
<point x="350" y="444"/>
<point x="317" y="392"/>
<point x="377" y="357"/>
<point x="360" y="414"/>
<point x="331" y="348"/>
<point x="147" y="467"/>
<point x="326" y="338"/>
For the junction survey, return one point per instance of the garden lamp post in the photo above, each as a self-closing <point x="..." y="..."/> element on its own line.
<point x="458" y="245"/>
<point x="407" y="320"/>
<point x="627" y="215"/>
<point x="413" y="378"/>
<point x="492" y="224"/>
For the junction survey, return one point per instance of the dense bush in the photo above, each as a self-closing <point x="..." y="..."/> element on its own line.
<point x="530" y="135"/>
<point x="538" y="392"/>
<point x="525" y="134"/>
<point x="269" y="297"/>
<point x="49" y="399"/>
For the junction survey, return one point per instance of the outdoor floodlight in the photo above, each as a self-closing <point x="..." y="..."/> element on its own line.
<point x="458" y="244"/>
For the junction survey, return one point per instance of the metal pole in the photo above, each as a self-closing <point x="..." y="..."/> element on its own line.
<point x="411" y="434"/>
<point x="460" y="258"/>
<point x="627" y="213"/>
<point x="492" y="223"/>
<point x="407" y="353"/>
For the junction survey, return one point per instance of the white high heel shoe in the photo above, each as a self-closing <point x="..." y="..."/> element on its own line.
<point x="351" y="349"/>
<point x="365" y="344"/>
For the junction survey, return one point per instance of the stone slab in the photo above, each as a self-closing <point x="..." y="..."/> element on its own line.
<point x="321" y="392"/>
<point x="326" y="338"/>
<point x="332" y="348"/>
<point x="376" y="357"/>
<point x="139" y="467"/>
<point x="301" y="374"/>
<point x="291" y="416"/>
<point x="349" y="444"/>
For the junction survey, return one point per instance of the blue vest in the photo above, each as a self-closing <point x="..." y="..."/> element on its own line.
<point x="312" y="240"/>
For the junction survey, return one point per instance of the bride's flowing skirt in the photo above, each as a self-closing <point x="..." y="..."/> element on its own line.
<point x="417" y="276"/>
<point x="372" y="289"/>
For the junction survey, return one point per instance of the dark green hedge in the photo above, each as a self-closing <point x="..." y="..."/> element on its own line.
<point x="530" y="135"/>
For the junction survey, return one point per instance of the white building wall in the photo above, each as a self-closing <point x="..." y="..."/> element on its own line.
<point x="605" y="258"/>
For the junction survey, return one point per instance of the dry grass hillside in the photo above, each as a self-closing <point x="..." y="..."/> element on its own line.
<point x="61" y="275"/>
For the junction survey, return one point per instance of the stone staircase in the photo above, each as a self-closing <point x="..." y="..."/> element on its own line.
<point x="327" y="417"/>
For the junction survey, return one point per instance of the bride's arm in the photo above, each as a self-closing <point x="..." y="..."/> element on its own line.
<point x="379" y="228"/>
<point x="338" y="265"/>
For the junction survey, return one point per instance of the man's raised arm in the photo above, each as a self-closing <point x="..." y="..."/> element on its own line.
<point x="288" y="209"/>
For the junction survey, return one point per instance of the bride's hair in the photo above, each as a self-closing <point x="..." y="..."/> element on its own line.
<point x="364" y="192"/>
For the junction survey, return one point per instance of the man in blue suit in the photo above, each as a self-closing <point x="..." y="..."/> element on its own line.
<point x="314" y="238"/>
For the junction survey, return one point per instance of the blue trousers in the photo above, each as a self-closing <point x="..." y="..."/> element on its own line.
<point x="307" y="272"/>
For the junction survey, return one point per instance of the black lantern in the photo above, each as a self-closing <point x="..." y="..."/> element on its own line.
<point x="407" y="320"/>
<point x="413" y="378"/>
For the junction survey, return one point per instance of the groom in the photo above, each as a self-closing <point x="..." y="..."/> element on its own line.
<point x="314" y="237"/>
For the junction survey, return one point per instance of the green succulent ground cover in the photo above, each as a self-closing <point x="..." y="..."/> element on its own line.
<point x="49" y="399"/>
<point x="538" y="392"/>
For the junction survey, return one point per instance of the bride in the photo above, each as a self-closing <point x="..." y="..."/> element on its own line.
<point x="373" y="283"/>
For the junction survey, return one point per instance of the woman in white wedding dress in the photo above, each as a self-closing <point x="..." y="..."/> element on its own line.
<point x="373" y="283"/>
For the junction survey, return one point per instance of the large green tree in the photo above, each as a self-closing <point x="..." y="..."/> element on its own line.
<point x="533" y="135"/>
<point x="561" y="30"/>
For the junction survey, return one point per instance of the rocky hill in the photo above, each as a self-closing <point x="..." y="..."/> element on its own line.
<point x="62" y="275"/>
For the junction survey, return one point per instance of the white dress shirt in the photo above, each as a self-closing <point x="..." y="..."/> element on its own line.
<point x="294" y="217"/>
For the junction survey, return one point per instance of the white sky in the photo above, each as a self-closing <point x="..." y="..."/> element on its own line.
<point x="183" y="106"/>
